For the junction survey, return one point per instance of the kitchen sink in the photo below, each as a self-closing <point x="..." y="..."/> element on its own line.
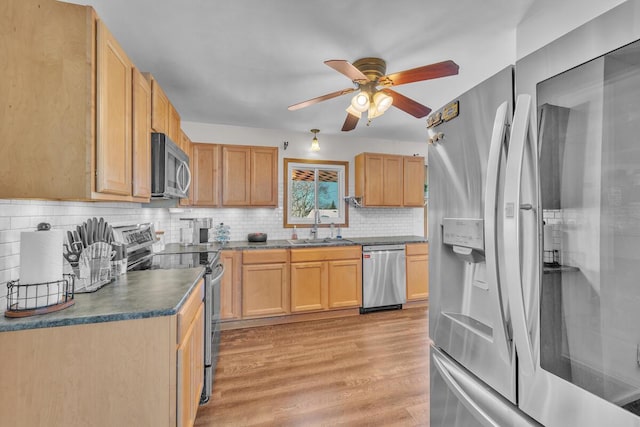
<point x="318" y="242"/>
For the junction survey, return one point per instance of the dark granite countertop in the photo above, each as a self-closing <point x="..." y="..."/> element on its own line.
<point x="284" y="244"/>
<point x="135" y="295"/>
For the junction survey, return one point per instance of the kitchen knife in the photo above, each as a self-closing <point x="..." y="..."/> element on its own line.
<point x="89" y="231"/>
<point x="70" y="238"/>
<point x="81" y="232"/>
<point x="101" y="230"/>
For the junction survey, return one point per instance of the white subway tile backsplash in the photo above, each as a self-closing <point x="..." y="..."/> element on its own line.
<point x="23" y="215"/>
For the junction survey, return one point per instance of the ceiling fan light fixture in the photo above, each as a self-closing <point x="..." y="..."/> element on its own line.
<point x="360" y="101"/>
<point x="315" y="145"/>
<point x="382" y="101"/>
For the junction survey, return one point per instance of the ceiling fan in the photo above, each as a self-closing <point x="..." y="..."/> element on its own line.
<point x="369" y="73"/>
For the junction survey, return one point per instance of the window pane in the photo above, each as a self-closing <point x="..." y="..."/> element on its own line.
<point x="328" y="193"/>
<point x="302" y="194"/>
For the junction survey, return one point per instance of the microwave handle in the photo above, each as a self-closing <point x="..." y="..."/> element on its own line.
<point x="179" y="180"/>
<point x="186" y="168"/>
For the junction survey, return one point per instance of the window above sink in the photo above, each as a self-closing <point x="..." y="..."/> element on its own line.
<point x="315" y="186"/>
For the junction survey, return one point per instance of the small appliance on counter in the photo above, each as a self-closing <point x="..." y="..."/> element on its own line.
<point x="199" y="231"/>
<point x="257" y="237"/>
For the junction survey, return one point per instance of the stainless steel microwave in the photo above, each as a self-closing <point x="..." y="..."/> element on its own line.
<point x="170" y="173"/>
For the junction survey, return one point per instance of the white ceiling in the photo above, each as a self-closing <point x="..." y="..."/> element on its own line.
<point x="243" y="62"/>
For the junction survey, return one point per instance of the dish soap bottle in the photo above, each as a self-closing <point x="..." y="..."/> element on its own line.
<point x="294" y="233"/>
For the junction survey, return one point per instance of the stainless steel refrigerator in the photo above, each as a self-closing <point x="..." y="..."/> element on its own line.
<point x="534" y="217"/>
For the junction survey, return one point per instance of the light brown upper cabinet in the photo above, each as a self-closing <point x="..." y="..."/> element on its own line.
<point x="413" y="181"/>
<point x="141" y="136"/>
<point x="69" y="114"/>
<point x="160" y="107"/>
<point x="205" y="171"/>
<point x="164" y="117"/>
<point x="249" y="176"/>
<point x="388" y="180"/>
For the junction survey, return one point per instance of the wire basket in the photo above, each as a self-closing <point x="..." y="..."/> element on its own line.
<point x="39" y="298"/>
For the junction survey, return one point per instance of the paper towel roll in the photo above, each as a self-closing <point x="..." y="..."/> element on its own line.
<point x="40" y="256"/>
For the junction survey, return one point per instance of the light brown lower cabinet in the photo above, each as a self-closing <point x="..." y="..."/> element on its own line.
<point x="417" y="263"/>
<point x="265" y="283"/>
<point x="121" y="373"/>
<point x="230" y="285"/>
<point x="326" y="278"/>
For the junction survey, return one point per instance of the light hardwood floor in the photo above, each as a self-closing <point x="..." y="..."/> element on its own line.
<point x="371" y="369"/>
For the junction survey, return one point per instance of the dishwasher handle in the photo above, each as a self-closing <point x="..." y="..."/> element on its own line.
<point x="382" y="248"/>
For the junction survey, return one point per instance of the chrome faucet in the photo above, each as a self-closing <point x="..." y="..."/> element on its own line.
<point x="314" y="228"/>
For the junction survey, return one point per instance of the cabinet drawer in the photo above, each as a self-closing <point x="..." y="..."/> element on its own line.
<point x="326" y="254"/>
<point x="417" y="249"/>
<point x="189" y="309"/>
<point x="264" y="256"/>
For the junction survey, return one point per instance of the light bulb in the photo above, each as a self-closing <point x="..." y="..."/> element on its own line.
<point x="382" y="101"/>
<point x="315" y="145"/>
<point x="360" y="101"/>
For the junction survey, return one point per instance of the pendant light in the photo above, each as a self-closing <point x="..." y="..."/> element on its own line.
<point x="315" y="145"/>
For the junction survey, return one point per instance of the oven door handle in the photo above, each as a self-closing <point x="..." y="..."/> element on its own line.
<point x="218" y="271"/>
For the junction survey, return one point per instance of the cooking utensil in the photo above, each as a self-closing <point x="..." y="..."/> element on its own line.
<point x="72" y="252"/>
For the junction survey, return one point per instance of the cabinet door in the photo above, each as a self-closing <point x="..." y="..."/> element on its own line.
<point x="141" y="134"/>
<point x="113" y="132"/>
<point x="197" y="375"/>
<point x="413" y="181"/>
<point x="185" y="378"/>
<point x="264" y="176"/>
<point x="204" y="163"/>
<point x="174" y="126"/>
<point x="308" y="286"/>
<point x="417" y="277"/>
<point x="265" y="290"/>
<point x="159" y="108"/>
<point x="345" y="283"/>
<point x="392" y="180"/>
<point x="230" y="286"/>
<point x="185" y="144"/>
<point x="236" y="170"/>
<point x="374" y="180"/>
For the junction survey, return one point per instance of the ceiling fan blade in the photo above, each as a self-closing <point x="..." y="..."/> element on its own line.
<point x="350" y="122"/>
<point x="348" y="69"/>
<point x="320" y="98"/>
<point x="427" y="72"/>
<point x="407" y="105"/>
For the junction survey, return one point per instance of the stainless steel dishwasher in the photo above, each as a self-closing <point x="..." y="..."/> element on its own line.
<point x="384" y="277"/>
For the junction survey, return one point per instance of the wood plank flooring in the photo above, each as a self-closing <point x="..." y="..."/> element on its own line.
<point x="371" y="369"/>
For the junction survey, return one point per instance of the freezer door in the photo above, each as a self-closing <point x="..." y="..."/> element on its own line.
<point x="580" y="363"/>
<point x="459" y="399"/>
<point x="468" y="316"/>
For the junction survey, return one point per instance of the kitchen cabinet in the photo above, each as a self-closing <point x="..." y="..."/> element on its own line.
<point x="249" y="176"/>
<point x="190" y="358"/>
<point x="69" y="114"/>
<point x="141" y="135"/>
<point x="265" y="283"/>
<point x="326" y="278"/>
<point x="113" y="136"/>
<point x="160" y="107"/>
<point x="113" y="373"/>
<point x="417" y="265"/>
<point x="387" y="180"/>
<point x="205" y="171"/>
<point x="175" y="131"/>
<point x="413" y="181"/>
<point x="230" y="285"/>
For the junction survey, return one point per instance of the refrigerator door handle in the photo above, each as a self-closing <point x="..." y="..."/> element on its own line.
<point x="492" y="248"/>
<point x="520" y="133"/>
<point x="488" y="408"/>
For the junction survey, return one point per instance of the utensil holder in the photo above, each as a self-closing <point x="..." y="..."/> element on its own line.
<point x="39" y="298"/>
<point x="94" y="267"/>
